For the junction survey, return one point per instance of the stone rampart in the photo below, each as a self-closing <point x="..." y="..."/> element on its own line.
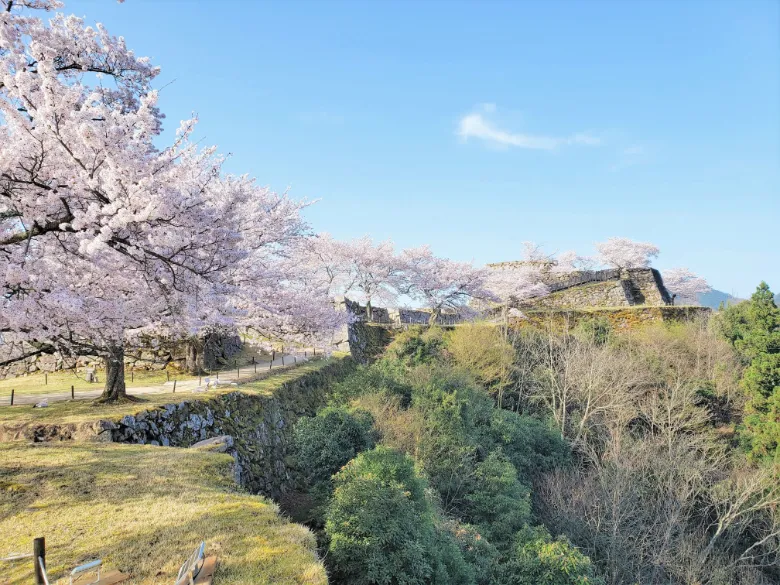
<point x="612" y="287"/>
<point x="254" y="427"/>
<point x="620" y="318"/>
<point x="212" y="351"/>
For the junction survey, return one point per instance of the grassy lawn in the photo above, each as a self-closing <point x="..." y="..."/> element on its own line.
<point x="61" y="381"/>
<point x="79" y="411"/>
<point x="142" y="509"/>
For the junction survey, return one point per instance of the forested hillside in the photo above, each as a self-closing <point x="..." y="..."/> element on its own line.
<point x="482" y="455"/>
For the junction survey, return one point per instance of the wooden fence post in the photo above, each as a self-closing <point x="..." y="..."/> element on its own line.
<point x="39" y="551"/>
<point x="72" y="392"/>
<point x="174" y="386"/>
<point x="46" y="378"/>
<point x="12" y="396"/>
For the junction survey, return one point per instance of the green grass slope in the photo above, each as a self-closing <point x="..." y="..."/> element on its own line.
<point x="143" y="509"/>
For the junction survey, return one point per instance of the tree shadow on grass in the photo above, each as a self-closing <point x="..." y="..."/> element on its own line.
<point x="253" y="545"/>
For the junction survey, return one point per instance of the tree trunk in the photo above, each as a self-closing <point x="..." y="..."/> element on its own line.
<point x="115" y="390"/>
<point x="194" y="357"/>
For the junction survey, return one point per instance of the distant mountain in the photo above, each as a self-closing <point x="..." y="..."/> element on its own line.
<point x="714" y="298"/>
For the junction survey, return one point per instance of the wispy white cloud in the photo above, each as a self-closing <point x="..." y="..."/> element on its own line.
<point x="478" y="126"/>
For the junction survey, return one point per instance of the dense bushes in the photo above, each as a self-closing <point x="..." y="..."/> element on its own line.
<point x="498" y="504"/>
<point x="616" y="463"/>
<point x="484" y="352"/>
<point x="380" y="526"/>
<point x="538" y="559"/>
<point x="328" y="441"/>
<point x="657" y="493"/>
<point x="448" y="489"/>
<point x="323" y="444"/>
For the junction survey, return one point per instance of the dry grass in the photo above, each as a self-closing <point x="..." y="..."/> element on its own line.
<point x="143" y="509"/>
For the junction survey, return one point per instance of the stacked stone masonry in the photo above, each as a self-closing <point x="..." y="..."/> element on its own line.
<point x="613" y="287"/>
<point x="212" y="351"/>
<point x="255" y="429"/>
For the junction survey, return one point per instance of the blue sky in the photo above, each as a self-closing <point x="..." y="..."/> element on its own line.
<point x="475" y="126"/>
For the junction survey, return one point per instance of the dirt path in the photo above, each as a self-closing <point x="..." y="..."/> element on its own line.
<point x="227" y="376"/>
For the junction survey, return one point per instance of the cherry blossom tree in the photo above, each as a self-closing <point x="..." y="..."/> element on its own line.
<point x="685" y="285"/>
<point x="625" y="253"/>
<point x="104" y="238"/>
<point x="358" y="268"/>
<point x="514" y="283"/>
<point x="533" y="252"/>
<point x="570" y="261"/>
<point x="323" y="262"/>
<point x="443" y="284"/>
<point x="374" y="271"/>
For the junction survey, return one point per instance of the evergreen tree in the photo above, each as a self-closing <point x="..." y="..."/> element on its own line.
<point x="754" y="329"/>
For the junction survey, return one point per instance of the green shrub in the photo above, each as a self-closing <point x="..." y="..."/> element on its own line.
<point x="531" y="445"/>
<point x="380" y="526"/>
<point x="594" y="330"/>
<point x="482" y="351"/>
<point x="478" y="553"/>
<point x="416" y="346"/>
<point x="753" y="327"/>
<point x="450" y="566"/>
<point x="383" y="377"/>
<point x="323" y="444"/>
<point x="498" y="504"/>
<point x="446" y="448"/>
<point x="540" y="560"/>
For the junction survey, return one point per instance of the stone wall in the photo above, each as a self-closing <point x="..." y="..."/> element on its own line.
<point x="399" y="316"/>
<point x="610" y="293"/>
<point x="619" y="317"/>
<point x="368" y="341"/>
<point x="259" y="426"/>
<point x="216" y="349"/>
<point x="255" y="428"/>
<point x="597" y="288"/>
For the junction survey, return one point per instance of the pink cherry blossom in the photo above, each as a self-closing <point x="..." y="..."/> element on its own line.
<point x="106" y="238"/>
